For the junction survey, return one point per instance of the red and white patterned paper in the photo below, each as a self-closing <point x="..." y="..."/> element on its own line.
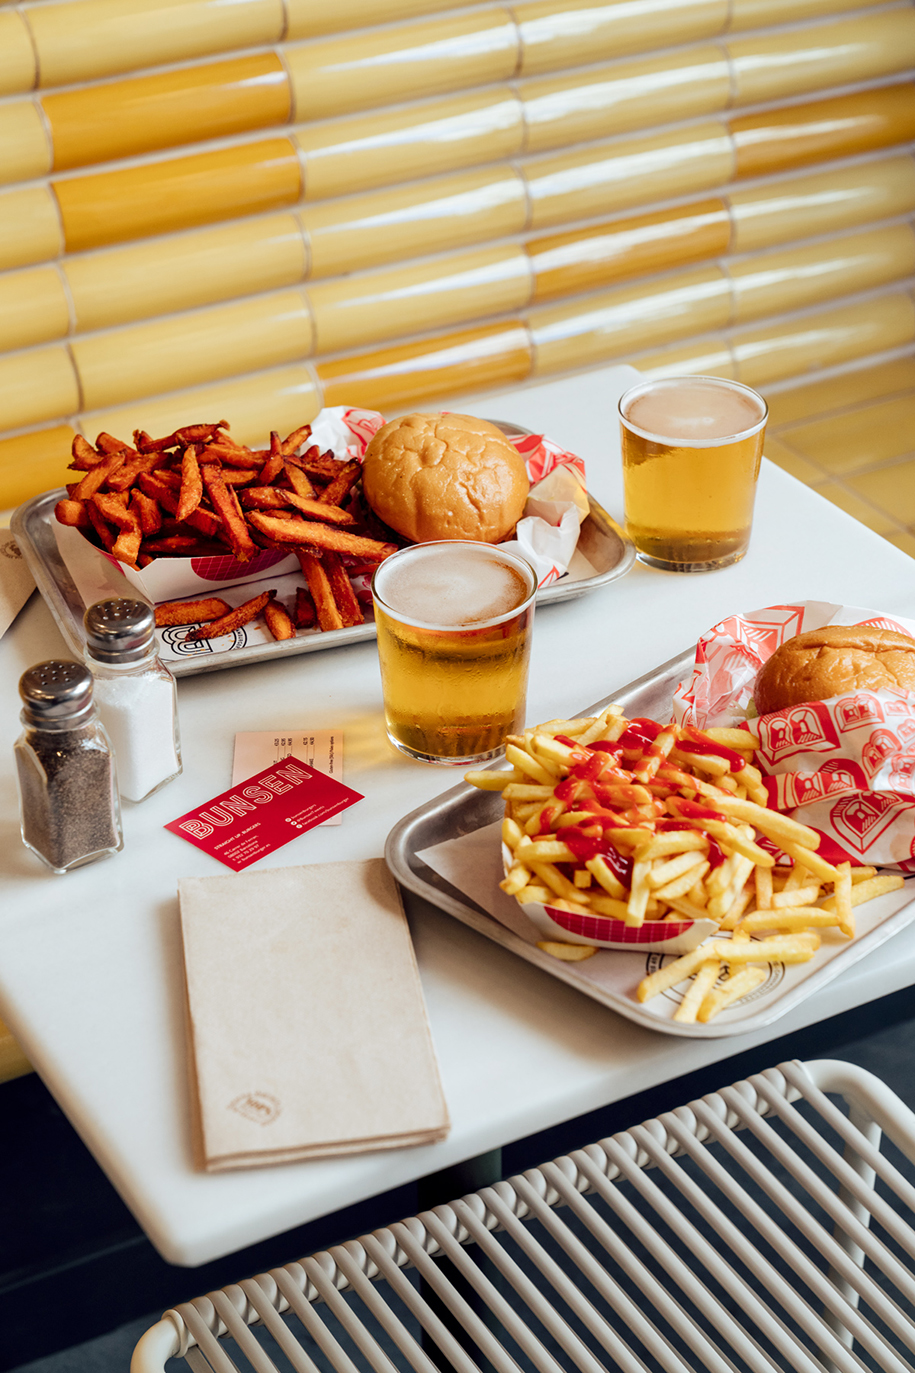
<point x="846" y="766"/>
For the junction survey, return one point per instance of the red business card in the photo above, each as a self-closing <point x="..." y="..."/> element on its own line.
<point x="264" y="813"/>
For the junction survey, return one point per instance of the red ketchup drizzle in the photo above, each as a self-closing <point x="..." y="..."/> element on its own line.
<point x="734" y="760"/>
<point x="586" y="846"/>
<point x="715" y="856"/>
<point x="640" y="735"/>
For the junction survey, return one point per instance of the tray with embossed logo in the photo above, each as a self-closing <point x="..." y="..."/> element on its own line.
<point x="71" y="575"/>
<point x="448" y="852"/>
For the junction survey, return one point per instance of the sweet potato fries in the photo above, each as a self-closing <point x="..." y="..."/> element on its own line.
<point x="196" y="493"/>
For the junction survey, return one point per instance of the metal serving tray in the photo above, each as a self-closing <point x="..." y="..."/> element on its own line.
<point x="466" y="809"/>
<point x="601" y="541"/>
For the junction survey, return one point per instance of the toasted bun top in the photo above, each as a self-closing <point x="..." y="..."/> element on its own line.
<point x="830" y="661"/>
<point x="445" y="477"/>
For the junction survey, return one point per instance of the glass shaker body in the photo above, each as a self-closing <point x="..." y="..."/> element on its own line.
<point x="135" y="693"/>
<point x="68" y="795"/>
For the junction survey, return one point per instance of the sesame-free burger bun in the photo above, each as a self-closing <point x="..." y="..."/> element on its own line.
<point x="445" y="477"/>
<point x="832" y="661"/>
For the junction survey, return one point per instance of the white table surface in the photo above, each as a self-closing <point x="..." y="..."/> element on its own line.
<point x="90" y="963"/>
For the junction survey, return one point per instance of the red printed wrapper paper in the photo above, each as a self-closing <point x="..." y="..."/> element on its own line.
<point x="546" y="536"/>
<point x="846" y="766"/>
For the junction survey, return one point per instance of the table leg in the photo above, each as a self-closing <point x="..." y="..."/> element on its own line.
<point x="436" y="1190"/>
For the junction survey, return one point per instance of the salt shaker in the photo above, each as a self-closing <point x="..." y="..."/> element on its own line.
<point x="68" y="795"/>
<point x="135" y="694"/>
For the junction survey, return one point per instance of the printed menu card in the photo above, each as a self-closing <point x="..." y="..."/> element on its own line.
<point x="308" y="1031"/>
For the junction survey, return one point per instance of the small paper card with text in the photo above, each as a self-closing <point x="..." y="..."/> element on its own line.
<point x="263" y="813"/>
<point x="320" y="748"/>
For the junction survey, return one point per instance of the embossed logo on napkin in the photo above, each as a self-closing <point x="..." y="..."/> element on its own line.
<point x="261" y="1107"/>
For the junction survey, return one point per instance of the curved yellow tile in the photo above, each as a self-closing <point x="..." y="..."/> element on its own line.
<point x="33" y="308"/>
<point x="710" y="357"/>
<point x="627" y="320"/>
<point x="625" y="96"/>
<point x="823" y="339"/>
<point x="617" y="175"/>
<point x="774" y="66"/>
<point x="282" y="399"/>
<point x="137" y="202"/>
<point x="761" y="14"/>
<point x="32" y="463"/>
<point x="467" y="361"/>
<point x="588" y="258"/>
<point x="98" y="38"/>
<point x="25" y="150"/>
<point x="797" y="135"/>
<point x="365" y="151"/>
<point x="804" y="206"/>
<point x="406" y="221"/>
<point x="793" y="278"/>
<point x="30" y="229"/>
<point x="123" y="118"/>
<point x="36" y="386"/>
<point x="569" y="33"/>
<point x="199" y="346"/>
<point x="162" y="275"/>
<point x="353" y="311"/>
<point x="337" y="75"/>
<point x="315" y="18"/>
<point x="18" y="66"/>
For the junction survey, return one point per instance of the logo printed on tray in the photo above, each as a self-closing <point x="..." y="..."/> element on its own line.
<point x="861" y="709"/>
<point x="175" y="638"/>
<point x="879" y="747"/>
<point x="802" y="729"/>
<point x="862" y="818"/>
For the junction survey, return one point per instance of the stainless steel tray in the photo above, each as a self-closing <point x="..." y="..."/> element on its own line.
<point x="601" y="541"/>
<point x="465" y="809"/>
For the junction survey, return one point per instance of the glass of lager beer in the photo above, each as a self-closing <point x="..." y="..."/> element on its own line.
<point x="454" y="639"/>
<point x="691" y="453"/>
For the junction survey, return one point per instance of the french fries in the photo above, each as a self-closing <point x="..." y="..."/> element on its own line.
<point x="196" y="492"/>
<point x="608" y="816"/>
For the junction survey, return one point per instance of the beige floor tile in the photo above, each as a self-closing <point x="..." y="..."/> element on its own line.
<point x="905" y="541"/>
<point x="859" y="509"/>
<point x="891" y="489"/>
<point x="857" y="439"/>
<point x="793" y="463"/>
<point x="839" y="393"/>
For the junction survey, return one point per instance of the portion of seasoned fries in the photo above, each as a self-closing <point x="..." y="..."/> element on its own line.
<point x="635" y="820"/>
<point x="197" y="492"/>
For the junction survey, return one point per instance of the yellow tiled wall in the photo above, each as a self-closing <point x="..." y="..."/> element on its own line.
<point x="249" y="210"/>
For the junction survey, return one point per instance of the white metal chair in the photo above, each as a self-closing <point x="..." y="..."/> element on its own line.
<point x="761" y="1228"/>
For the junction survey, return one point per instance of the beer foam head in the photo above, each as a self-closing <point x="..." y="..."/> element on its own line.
<point x="452" y="584"/>
<point x="693" y="409"/>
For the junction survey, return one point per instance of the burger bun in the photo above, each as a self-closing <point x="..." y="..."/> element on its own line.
<point x="445" y="477"/>
<point x="833" y="661"/>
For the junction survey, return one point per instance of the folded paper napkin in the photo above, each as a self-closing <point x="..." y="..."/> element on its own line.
<point x="16" y="581"/>
<point x="308" y="1030"/>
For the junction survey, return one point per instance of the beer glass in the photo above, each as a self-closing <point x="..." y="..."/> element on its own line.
<point x="691" y="453"/>
<point x="454" y="637"/>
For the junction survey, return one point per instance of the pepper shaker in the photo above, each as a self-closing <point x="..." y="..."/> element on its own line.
<point x="135" y="694"/>
<point x="68" y="794"/>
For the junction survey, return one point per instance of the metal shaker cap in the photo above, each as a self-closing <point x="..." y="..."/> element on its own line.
<point x="120" y="630"/>
<point x="57" y="691"/>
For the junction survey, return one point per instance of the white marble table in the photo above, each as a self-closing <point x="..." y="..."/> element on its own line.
<point x="90" y="965"/>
